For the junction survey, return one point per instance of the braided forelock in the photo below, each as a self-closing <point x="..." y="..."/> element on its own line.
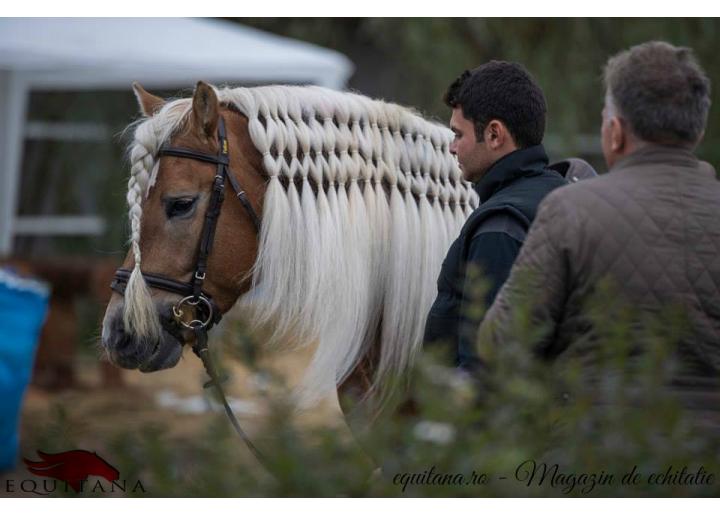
<point x="140" y="315"/>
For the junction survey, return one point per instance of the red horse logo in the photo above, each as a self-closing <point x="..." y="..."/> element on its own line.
<point x="72" y="467"/>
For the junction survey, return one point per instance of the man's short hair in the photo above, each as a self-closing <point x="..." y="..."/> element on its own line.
<point x="661" y="91"/>
<point x="503" y="91"/>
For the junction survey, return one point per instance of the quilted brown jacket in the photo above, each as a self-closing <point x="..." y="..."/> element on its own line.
<point x="650" y="228"/>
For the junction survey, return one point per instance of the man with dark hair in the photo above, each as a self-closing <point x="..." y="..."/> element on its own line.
<point x="648" y="229"/>
<point x="498" y="117"/>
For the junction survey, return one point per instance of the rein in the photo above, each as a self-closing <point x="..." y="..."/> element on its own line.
<point x="206" y="312"/>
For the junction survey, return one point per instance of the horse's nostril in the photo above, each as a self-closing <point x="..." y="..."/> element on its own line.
<point x="118" y="326"/>
<point x="119" y="340"/>
<point x="123" y="344"/>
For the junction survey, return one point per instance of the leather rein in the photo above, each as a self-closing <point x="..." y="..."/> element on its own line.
<point x="206" y="312"/>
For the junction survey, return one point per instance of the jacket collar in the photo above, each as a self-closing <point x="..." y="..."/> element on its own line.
<point x="657" y="154"/>
<point x="509" y="168"/>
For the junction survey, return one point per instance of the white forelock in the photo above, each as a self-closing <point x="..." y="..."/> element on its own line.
<point x="362" y="202"/>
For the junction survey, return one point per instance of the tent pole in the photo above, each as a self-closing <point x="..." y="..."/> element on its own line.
<point x="13" y="109"/>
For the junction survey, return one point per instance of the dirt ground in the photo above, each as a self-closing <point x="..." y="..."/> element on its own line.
<point x="173" y="398"/>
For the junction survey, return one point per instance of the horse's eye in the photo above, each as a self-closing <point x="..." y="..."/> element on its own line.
<point x="179" y="207"/>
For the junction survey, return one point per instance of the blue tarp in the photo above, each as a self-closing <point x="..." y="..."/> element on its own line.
<point x="23" y="306"/>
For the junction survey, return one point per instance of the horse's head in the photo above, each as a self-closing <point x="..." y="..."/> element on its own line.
<point x="168" y="207"/>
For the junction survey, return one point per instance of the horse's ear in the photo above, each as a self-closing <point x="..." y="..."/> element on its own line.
<point x="149" y="103"/>
<point x="206" y="109"/>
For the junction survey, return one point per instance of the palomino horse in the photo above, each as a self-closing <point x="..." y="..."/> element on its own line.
<point x="358" y="201"/>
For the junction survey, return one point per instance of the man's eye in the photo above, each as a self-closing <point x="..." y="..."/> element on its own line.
<point x="179" y="207"/>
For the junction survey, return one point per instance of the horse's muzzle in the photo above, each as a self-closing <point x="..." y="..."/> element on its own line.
<point x="127" y="350"/>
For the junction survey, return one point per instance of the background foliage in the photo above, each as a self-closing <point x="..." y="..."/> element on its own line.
<point x="413" y="60"/>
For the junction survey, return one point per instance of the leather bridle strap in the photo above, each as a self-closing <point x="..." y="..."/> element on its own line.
<point x="216" y="199"/>
<point x="221" y="159"/>
<point x="202" y="351"/>
<point x="122" y="276"/>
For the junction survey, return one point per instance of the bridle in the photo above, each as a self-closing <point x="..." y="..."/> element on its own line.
<point x="206" y="311"/>
<point x="192" y="292"/>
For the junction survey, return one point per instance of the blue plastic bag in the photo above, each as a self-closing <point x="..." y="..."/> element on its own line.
<point x="23" y="306"/>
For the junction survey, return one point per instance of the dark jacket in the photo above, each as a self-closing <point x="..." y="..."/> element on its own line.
<point x="648" y="228"/>
<point x="490" y="240"/>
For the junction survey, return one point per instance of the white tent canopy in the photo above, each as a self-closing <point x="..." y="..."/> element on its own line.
<point x="107" y="53"/>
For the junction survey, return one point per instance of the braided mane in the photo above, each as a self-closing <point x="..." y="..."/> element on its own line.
<point x="362" y="202"/>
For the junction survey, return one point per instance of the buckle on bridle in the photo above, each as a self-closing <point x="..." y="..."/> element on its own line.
<point x="198" y="303"/>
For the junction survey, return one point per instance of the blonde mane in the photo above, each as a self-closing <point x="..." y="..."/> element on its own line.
<point x="362" y="202"/>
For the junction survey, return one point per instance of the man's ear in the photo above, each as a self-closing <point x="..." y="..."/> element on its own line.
<point x="205" y="109"/>
<point x="618" y="135"/>
<point x="497" y="135"/>
<point x="149" y="104"/>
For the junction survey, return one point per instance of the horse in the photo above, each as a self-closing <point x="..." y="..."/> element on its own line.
<point x="357" y="202"/>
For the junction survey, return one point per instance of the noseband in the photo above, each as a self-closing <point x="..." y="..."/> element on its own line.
<point x="206" y="312"/>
